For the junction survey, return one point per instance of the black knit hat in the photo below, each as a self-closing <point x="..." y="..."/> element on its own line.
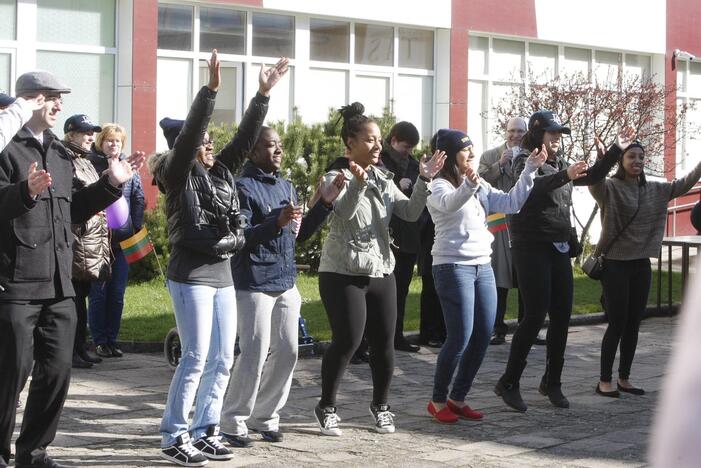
<point x="452" y="141"/>
<point x="171" y="129"/>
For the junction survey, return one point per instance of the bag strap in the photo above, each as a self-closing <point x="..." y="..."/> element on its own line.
<point x="604" y="252"/>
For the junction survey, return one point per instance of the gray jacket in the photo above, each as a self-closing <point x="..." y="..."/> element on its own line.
<point x="358" y="242"/>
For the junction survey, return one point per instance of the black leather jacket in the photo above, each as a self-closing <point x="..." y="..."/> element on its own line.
<point x="202" y="206"/>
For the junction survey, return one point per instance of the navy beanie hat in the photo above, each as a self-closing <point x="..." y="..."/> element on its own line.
<point x="171" y="129"/>
<point x="452" y="141"/>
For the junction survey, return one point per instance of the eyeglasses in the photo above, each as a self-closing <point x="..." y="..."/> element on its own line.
<point x="207" y="142"/>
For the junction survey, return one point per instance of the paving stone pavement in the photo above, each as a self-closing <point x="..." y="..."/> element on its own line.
<point x="113" y="412"/>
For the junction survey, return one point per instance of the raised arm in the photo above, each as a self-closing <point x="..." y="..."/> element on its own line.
<point x="683" y="185"/>
<point x="511" y="202"/>
<point x="409" y="209"/>
<point x="348" y="200"/>
<point x="448" y="199"/>
<point x="15" y="116"/>
<point x="235" y="152"/>
<point x="179" y="162"/>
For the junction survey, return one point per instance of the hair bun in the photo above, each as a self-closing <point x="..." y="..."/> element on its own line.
<point x="351" y="110"/>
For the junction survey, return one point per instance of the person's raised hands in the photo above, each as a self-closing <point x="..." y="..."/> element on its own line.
<point x="537" y="158"/>
<point x="358" y="171"/>
<point x="625" y="137"/>
<point x="214" y="66"/>
<point x="268" y="77"/>
<point x="429" y="168"/>
<point x="577" y="170"/>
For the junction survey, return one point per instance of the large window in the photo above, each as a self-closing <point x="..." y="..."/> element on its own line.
<point x="374" y="45"/>
<point x="83" y="22"/>
<point x="5" y="72"/>
<point x="90" y="27"/>
<point x="222" y="29"/>
<point x="8" y="19"/>
<point x="174" y="27"/>
<point x="383" y="66"/>
<point x="500" y="67"/>
<point x="273" y="35"/>
<point x="689" y="93"/>
<point x="329" y="40"/>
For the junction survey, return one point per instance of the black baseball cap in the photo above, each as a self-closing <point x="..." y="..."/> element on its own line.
<point x="547" y="121"/>
<point x="5" y="99"/>
<point x="80" y="123"/>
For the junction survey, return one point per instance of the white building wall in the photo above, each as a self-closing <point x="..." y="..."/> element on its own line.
<point x="635" y="25"/>
<point x="434" y="13"/>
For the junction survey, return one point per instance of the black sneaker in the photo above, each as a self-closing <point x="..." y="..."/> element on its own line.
<point x="211" y="447"/>
<point x="104" y="351"/>
<point x="238" y="441"/>
<point x="271" y="436"/>
<point x="511" y="395"/>
<point x="328" y="420"/>
<point x="384" y="419"/>
<point x="79" y="363"/>
<point x="87" y="357"/>
<point x="498" y="339"/>
<point x="183" y="453"/>
<point x="116" y="352"/>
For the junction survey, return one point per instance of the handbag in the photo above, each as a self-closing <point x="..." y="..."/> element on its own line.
<point x="593" y="265"/>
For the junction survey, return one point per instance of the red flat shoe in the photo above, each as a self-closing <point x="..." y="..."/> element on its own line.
<point x="444" y="416"/>
<point x="466" y="412"/>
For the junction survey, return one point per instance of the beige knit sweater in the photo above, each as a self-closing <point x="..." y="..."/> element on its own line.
<point x="619" y="199"/>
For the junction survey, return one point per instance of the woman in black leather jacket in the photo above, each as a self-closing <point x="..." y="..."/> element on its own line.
<point x="203" y="230"/>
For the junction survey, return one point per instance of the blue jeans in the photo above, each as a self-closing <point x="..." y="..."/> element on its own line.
<point x="468" y="298"/>
<point x="206" y="319"/>
<point x="106" y="302"/>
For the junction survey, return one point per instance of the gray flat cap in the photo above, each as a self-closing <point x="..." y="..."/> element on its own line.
<point x="39" y="80"/>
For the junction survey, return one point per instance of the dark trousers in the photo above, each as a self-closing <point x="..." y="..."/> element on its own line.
<point x="432" y="325"/>
<point x="500" y="327"/>
<point x="350" y="302"/>
<point x="626" y="285"/>
<point x="82" y="289"/>
<point x="43" y="332"/>
<point x="107" y="302"/>
<point x="403" y="273"/>
<point x="545" y="281"/>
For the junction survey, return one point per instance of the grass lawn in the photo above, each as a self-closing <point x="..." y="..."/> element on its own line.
<point x="148" y="311"/>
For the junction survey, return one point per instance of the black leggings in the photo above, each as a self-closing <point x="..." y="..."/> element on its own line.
<point x="350" y="301"/>
<point x="545" y="283"/>
<point x="500" y="327"/>
<point x="626" y="285"/>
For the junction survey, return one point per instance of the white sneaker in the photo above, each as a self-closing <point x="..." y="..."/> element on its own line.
<point x="328" y="420"/>
<point x="384" y="419"/>
<point x="183" y="453"/>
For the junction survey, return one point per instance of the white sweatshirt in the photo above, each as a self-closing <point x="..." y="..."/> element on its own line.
<point x="460" y="216"/>
<point x="13" y="119"/>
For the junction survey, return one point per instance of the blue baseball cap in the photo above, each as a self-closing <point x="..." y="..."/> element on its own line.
<point x="5" y="99"/>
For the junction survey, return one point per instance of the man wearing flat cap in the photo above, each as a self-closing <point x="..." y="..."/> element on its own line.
<point x="38" y="203"/>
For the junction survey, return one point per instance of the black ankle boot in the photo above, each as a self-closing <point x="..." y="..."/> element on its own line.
<point x="510" y="393"/>
<point x="554" y="394"/>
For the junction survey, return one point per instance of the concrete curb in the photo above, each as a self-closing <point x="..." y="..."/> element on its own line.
<point x="319" y="347"/>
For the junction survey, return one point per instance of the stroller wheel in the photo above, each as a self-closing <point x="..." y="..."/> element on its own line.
<point x="171" y="348"/>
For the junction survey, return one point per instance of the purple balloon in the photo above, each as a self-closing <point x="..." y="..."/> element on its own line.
<point x="117" y="213"/>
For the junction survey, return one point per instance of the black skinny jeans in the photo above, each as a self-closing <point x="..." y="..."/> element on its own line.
<point x="545" y="283"/>
<point x="626" y="285"/>
<point x="350" y="302"/>
<point x="82" y="290"/>
<point x="432" y="325"/>
<point x="500" y="327"/>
